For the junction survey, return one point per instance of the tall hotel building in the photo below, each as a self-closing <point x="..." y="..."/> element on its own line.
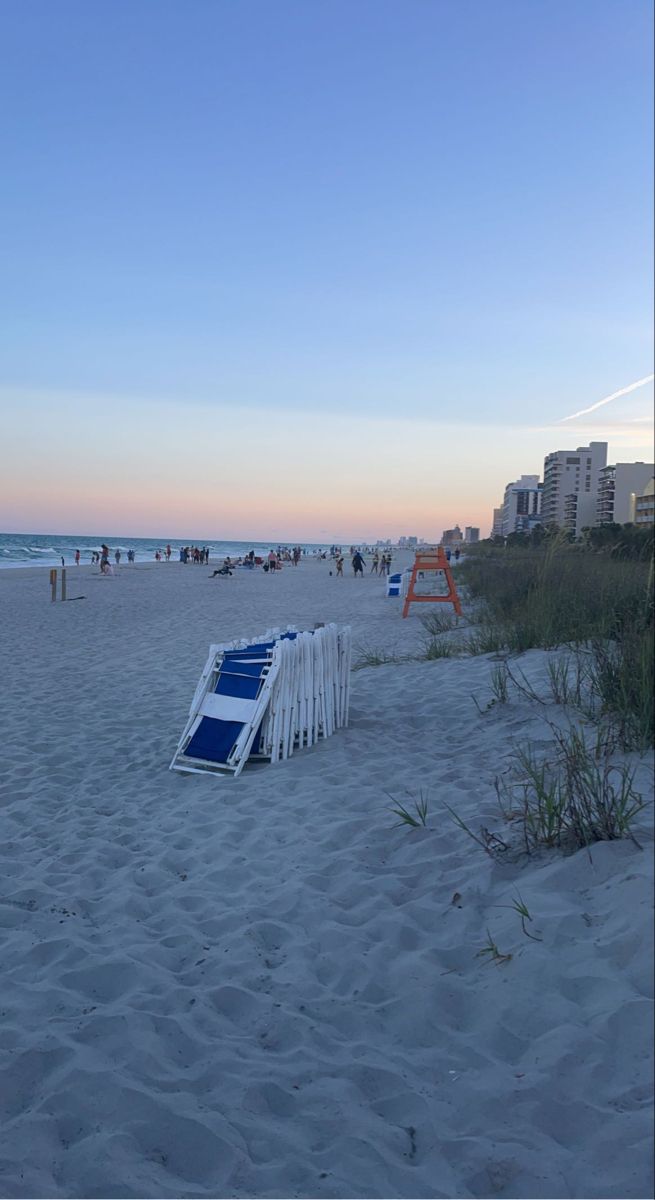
<point x="521" y="505"/>
<point x="618" y="489"/>
<point x="570" y="489"/>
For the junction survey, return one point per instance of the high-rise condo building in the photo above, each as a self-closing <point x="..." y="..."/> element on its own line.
<point x="497" y="523"/>
<point x="521" y="505"/>
<point x="452" y="537"/>
<point x="471" y="534"/>
<point x="570" y="490"/>
<point x="644" y="506"/>
<point x="618" y="486"/>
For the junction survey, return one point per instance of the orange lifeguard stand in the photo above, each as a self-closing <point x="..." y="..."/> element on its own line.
<point x="432" y="560"/>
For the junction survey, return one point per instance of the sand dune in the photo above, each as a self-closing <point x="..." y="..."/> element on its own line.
<point x="261" y="987"/>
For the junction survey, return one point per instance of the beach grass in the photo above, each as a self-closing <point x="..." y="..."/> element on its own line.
<point x="373" y="656"/>
<point x="519" y="906"/>
<point x="439" y="622"/>
<point x="562" y="594"/>
<point x="492" y="954"/>
<point x="438" y="647"/>
<point x="414" y="820"/>
<point x="577" y="795"/>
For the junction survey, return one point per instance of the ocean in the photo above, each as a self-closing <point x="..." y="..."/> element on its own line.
<point x="48" y="549"/>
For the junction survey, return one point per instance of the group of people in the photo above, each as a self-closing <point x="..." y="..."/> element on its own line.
<point x="274" y="561"/>
<point x="199" y="555"/>
<point x="285" y="555"/>
<point x="380" y="564"/>
<point x="101" y="558"/>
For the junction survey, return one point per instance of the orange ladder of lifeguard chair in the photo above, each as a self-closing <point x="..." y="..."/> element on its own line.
<point x="432" y="560"/>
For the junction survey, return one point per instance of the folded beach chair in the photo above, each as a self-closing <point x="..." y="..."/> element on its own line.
<point x="262" y="699"/>
<point x="227" y="716"/>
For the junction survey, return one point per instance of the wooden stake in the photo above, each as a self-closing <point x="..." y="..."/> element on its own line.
<point x="63" y="583"/>
<point x="53" y="583"/>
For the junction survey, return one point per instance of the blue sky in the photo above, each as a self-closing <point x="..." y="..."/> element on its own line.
<point x="222" y="216"/>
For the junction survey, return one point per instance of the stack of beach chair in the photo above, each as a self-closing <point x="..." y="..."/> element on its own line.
<point x="265" y="698"/>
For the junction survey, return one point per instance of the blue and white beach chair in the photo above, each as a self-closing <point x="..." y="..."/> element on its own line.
<point x="265" y="698"/>
<point x="226" y="720"/>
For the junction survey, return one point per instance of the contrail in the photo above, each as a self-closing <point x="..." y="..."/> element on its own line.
<point x="615" y="395"/>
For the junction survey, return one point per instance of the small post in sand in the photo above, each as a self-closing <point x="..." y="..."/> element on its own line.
<point x="63" y="583"/>
<point x="53" y="583"/>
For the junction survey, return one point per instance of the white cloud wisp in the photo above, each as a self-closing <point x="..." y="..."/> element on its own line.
<point x="615" y="395"/>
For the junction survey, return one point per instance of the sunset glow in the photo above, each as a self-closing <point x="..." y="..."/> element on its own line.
<point x="340" y="282"/>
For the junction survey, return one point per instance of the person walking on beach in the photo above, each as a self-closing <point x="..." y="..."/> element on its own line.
<point x="77" y="558"/>
<point x="358" y="564"/>
<point x="272" y="561"/>
<point x="117" y="556"/>
<point x="375" y="564"/>
<point x="340" y="565"/>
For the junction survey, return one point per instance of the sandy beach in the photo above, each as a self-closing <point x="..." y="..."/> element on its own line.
<point x="263" y="987"/>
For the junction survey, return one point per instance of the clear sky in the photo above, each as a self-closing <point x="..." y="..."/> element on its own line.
<point x="316" y="268"/>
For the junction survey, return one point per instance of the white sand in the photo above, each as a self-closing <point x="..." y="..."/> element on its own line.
<point x="259" y="987"/>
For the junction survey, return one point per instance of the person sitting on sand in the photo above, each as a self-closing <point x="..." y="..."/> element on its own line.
<point x="224" y="570"/>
